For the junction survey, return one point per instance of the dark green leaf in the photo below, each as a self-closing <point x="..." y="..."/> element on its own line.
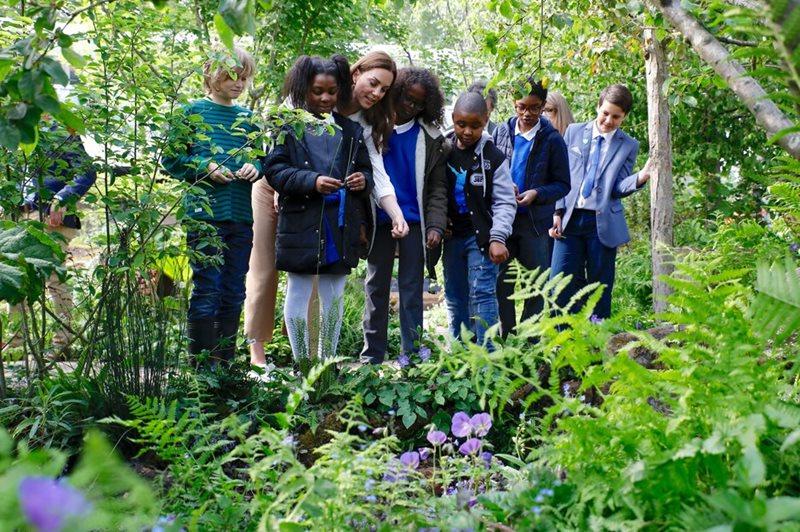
<point x="224" y="31"/>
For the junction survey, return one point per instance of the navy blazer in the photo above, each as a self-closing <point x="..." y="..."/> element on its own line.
<point x="615" y="181"/>
<point x="546" y="171"/>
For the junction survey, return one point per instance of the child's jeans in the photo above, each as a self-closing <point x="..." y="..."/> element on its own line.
<point x="469" y="287"/>
<point x="218" y="289"/>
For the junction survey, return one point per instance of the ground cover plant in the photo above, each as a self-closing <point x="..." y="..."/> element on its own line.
<point x="682" y="419"/>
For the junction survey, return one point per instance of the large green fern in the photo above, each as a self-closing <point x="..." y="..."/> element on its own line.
<point x="775" y="310"/>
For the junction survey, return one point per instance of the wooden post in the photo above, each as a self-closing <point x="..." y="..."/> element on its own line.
<point x="661" y="202"/>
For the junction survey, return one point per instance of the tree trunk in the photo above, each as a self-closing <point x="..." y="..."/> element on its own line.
<point x="661" y="204"/>
<point x="767" y="114"/>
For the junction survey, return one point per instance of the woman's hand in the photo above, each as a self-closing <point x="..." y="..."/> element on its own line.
<point x="248" y="172"/>
<point x="399" y="227"/>
<point x="526" y="198"/>
<point x="327" y="185"/>
<point x="555" y="231"/>
<point x="356" y="182"/>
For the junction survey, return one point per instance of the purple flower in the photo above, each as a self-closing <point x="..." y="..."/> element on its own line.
<point x="410" y="459"/>
<point x="403" y="360"/>
<point x="481" y="423"/>
<point x="371" y="498"/>
<point x="437" y="437"/>
<point x="424" y="453"/>
<point x="486" y="456"/>
<point x="167" y="521"/>
<point x="595" y="319"/>
<point x="47" y="503"/>
<point x="537" y="510"/>
<point x="471" y="446"/>
<point x="424" y="353"/>
<point x="461" y="427"/>
<point x="794" y="247"/>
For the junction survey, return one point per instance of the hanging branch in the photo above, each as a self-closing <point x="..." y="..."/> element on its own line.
<point x="747" y="89"/>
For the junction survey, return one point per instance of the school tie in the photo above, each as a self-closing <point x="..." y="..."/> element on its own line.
<point x="591" y="172"/>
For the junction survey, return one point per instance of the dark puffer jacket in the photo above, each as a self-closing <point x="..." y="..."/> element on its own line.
<point x="547" y="169"/>
<point x="299" y="247"/>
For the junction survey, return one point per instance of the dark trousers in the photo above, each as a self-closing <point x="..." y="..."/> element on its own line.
<point x="532" y="251"/>
<point x="581" y="254"/>
<point x="218" y="275"/>
<point x="410" y="275"/>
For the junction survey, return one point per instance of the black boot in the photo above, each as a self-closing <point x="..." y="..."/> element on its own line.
<point x="226" y="332"/>
<point x="202" y="337"/>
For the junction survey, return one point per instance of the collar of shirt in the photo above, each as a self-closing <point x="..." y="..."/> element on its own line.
<point x="606" y="136"/>
<point x="528" y="135"/>
<point x="402" y="128"/>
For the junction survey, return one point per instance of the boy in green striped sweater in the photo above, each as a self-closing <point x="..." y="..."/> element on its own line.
<point x="216" y="159"/>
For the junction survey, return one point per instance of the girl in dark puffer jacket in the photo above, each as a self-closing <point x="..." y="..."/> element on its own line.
<point x="324" y="181"/>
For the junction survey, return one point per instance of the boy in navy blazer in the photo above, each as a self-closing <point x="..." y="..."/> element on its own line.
<point x="537" y="157"/>
<point x="589" y="223"/>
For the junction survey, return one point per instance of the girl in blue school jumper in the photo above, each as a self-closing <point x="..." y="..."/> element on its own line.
<point x="324" y="182"/>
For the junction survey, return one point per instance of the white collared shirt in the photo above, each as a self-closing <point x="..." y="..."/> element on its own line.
<point x="402" y="128"/>
<point x="606" y="142"/>
<point x="528" y="135"/>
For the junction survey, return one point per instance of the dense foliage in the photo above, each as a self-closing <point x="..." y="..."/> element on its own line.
<point x="685" y="420"/>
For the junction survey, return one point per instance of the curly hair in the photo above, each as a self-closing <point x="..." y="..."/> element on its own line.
<point x="300" y="77"/>
<point x="433" y="113"/>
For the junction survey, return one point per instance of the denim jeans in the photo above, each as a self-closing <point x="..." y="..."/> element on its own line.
<point x="581" y="254"/>
<point x="469" y="287"/>
<point x="218" y="289"/>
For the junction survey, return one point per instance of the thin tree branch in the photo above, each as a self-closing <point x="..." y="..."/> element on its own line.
<point x="746" y="88"/>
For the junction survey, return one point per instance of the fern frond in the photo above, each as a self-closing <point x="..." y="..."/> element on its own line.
<point x="775" y="310"/>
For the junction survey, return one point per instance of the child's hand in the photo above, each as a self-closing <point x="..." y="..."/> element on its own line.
<point x="645" y="173"/>
<point x="555" y="231"/>
<point x="327" y="185"/>
<point x="219" y="173"/>
<point x="434" y="238"/>
<point x="248" y="172"/>
<point x="526" y="198"/>
<point x="498" y="252"/>
<point x="276" y="203"/>
<point x="356" y="182"/>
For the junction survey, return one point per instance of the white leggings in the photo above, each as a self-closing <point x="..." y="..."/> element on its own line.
<point x="295" y="312"/>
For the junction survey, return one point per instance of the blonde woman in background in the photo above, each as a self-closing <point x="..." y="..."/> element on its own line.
<point x="556" y="110"/>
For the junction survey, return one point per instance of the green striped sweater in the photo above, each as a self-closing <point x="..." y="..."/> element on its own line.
<point x="225" y="135"/>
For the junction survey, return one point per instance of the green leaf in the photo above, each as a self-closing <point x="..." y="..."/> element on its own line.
<point x="12" y="279"/>
<point x="9" y="134"/>
<point x="239" y="15"/>
<point x="409" y="419"/>
<point x="56" y="71"/>
<point x="70" y="120"/>
<point x="775" y="311"/>
<point x="73" y="58"/>
<point x="224" y="31"/>
<point x="754" y="470"/>
<point x="791" y="439"/>
<point x="783" y="508"/>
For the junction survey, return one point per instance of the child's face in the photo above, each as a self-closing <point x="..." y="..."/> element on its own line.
<point x="468" y="127"/>
<point x="370" y="86"/>
<point x="528" y="111"/>
<point x="411" y="103"/>
<point x="609" y="117"/>
<point x="229" y="89"/>
<point x="323" y="94"/>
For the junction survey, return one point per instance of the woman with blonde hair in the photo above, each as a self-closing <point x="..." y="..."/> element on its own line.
<point x="557" y="111"/>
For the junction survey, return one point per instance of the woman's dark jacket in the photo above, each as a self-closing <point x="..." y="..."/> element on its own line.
<point x="299" y="247"/>
<point x="546" y="172"/>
